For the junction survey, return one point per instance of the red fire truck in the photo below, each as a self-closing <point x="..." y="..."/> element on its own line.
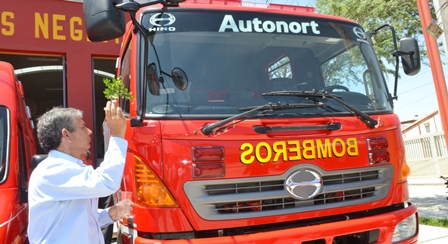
<point x="257" y="123"/>
<point x="17" y="146"/>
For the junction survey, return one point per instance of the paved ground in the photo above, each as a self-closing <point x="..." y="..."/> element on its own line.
<point x="430" y="200"/>
<point x="430" y="197"/>
<point x="433" y="235"/>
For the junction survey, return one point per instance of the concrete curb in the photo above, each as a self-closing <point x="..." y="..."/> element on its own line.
<point x="425" y="181"/>
<point x="432" y="235"/>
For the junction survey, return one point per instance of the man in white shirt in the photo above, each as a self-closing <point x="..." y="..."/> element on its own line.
<point x="63" y="192"/>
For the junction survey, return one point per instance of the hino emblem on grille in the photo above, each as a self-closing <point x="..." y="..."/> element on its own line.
<point x="304" y="184"/>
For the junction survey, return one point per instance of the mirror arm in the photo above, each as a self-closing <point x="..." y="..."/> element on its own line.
<point x="132" y="7"/>
<point x="165" y="73"/>
<point x="138" y="120"/>
<point x="402" y="53"/>
<point x="395" y="54"/>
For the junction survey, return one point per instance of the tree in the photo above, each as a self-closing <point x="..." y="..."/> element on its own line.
<point x="403" y="15"/>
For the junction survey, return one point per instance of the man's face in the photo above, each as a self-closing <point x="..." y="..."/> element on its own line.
<point x="80" y="138"/>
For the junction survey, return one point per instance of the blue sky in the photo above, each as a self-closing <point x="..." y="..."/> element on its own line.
<point x="416" y="94"/>
<point x="290" y="2"/>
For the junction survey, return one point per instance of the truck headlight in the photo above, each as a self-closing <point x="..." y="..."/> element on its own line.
<point x="407" y="228"/>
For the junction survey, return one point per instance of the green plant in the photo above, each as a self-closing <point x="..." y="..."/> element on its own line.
<point x="434" y="222"/>
<point x="115" y="89"/>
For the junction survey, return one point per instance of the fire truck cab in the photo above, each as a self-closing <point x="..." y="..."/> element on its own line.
<point x="257" y="124"/>
<point x="17" y="145"/>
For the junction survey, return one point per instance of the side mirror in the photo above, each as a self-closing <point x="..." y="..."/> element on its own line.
<point x="102" y="20"/>
<point x="411" y="60"/>
<point x="153" y="80"/>
<point x="23" y="189"/>
<point x="179" y="78"/>
<point x="36" y="159"/>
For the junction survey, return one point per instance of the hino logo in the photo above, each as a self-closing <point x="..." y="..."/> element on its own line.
<point x="359" y="33"/>
<point x="304" y="184"/>
<point x="256" y="25"/>
<point x="162" y="19"/>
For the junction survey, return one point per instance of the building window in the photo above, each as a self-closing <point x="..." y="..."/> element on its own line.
<point x="427" y="127"/>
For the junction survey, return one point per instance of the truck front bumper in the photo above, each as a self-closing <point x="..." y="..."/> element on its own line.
<point x="383" y="225"/>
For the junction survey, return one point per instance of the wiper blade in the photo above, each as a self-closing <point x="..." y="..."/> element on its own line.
<point x="209" y="128"/>
<point x="366" y="119"/>
<point x="312" y="93"/>
<point x="269" y="107"/>
<point x="282" y="106"/>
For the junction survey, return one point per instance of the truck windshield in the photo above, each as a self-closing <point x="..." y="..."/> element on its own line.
<point x="233" y="59"/>
<point x="4" y="140"/>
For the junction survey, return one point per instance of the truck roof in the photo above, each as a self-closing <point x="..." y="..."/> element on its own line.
<point x="7" y="74"/>
<point x="257" y="6"/>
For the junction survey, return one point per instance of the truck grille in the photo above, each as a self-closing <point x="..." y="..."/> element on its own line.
<point x="266" y="196"/>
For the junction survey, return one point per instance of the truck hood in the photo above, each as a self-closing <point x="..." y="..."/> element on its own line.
<point x="250" y="185"/>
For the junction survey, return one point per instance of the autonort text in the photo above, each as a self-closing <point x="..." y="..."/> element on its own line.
<point x="268" y="26"/>
<point x="294" y="150"/>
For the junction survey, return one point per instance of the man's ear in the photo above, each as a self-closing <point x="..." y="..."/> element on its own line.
<point x="65" y="134"/>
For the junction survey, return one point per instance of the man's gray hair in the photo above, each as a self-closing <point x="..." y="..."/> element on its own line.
<point x="51" y="123"/>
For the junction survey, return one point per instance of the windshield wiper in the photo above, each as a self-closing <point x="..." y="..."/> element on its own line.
<point x="269" y="107"/>
<point x="366" y="119"/>
<point x="282" y="106"/>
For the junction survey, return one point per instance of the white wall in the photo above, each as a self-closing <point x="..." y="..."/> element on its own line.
<point x="426" y="125"/>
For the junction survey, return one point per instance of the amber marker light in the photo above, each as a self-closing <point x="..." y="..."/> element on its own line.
<point x="404" y="172"/>
<point x="151" y="191"/>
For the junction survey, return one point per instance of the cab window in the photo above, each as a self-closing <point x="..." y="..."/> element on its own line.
<point x="125" y="74"/>
<point x="4" y="125"/>
<point x="280" y="69"/>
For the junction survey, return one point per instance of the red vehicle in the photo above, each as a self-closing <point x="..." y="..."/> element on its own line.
<point x="257" y="124"/>
<point x="18" y="145"/>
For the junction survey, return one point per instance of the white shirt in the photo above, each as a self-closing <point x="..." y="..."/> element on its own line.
<point x="63" y="196"/>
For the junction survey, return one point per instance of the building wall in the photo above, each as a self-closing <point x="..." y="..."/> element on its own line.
<point x="431" y="123"/>
<point x="55" y="27"/>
